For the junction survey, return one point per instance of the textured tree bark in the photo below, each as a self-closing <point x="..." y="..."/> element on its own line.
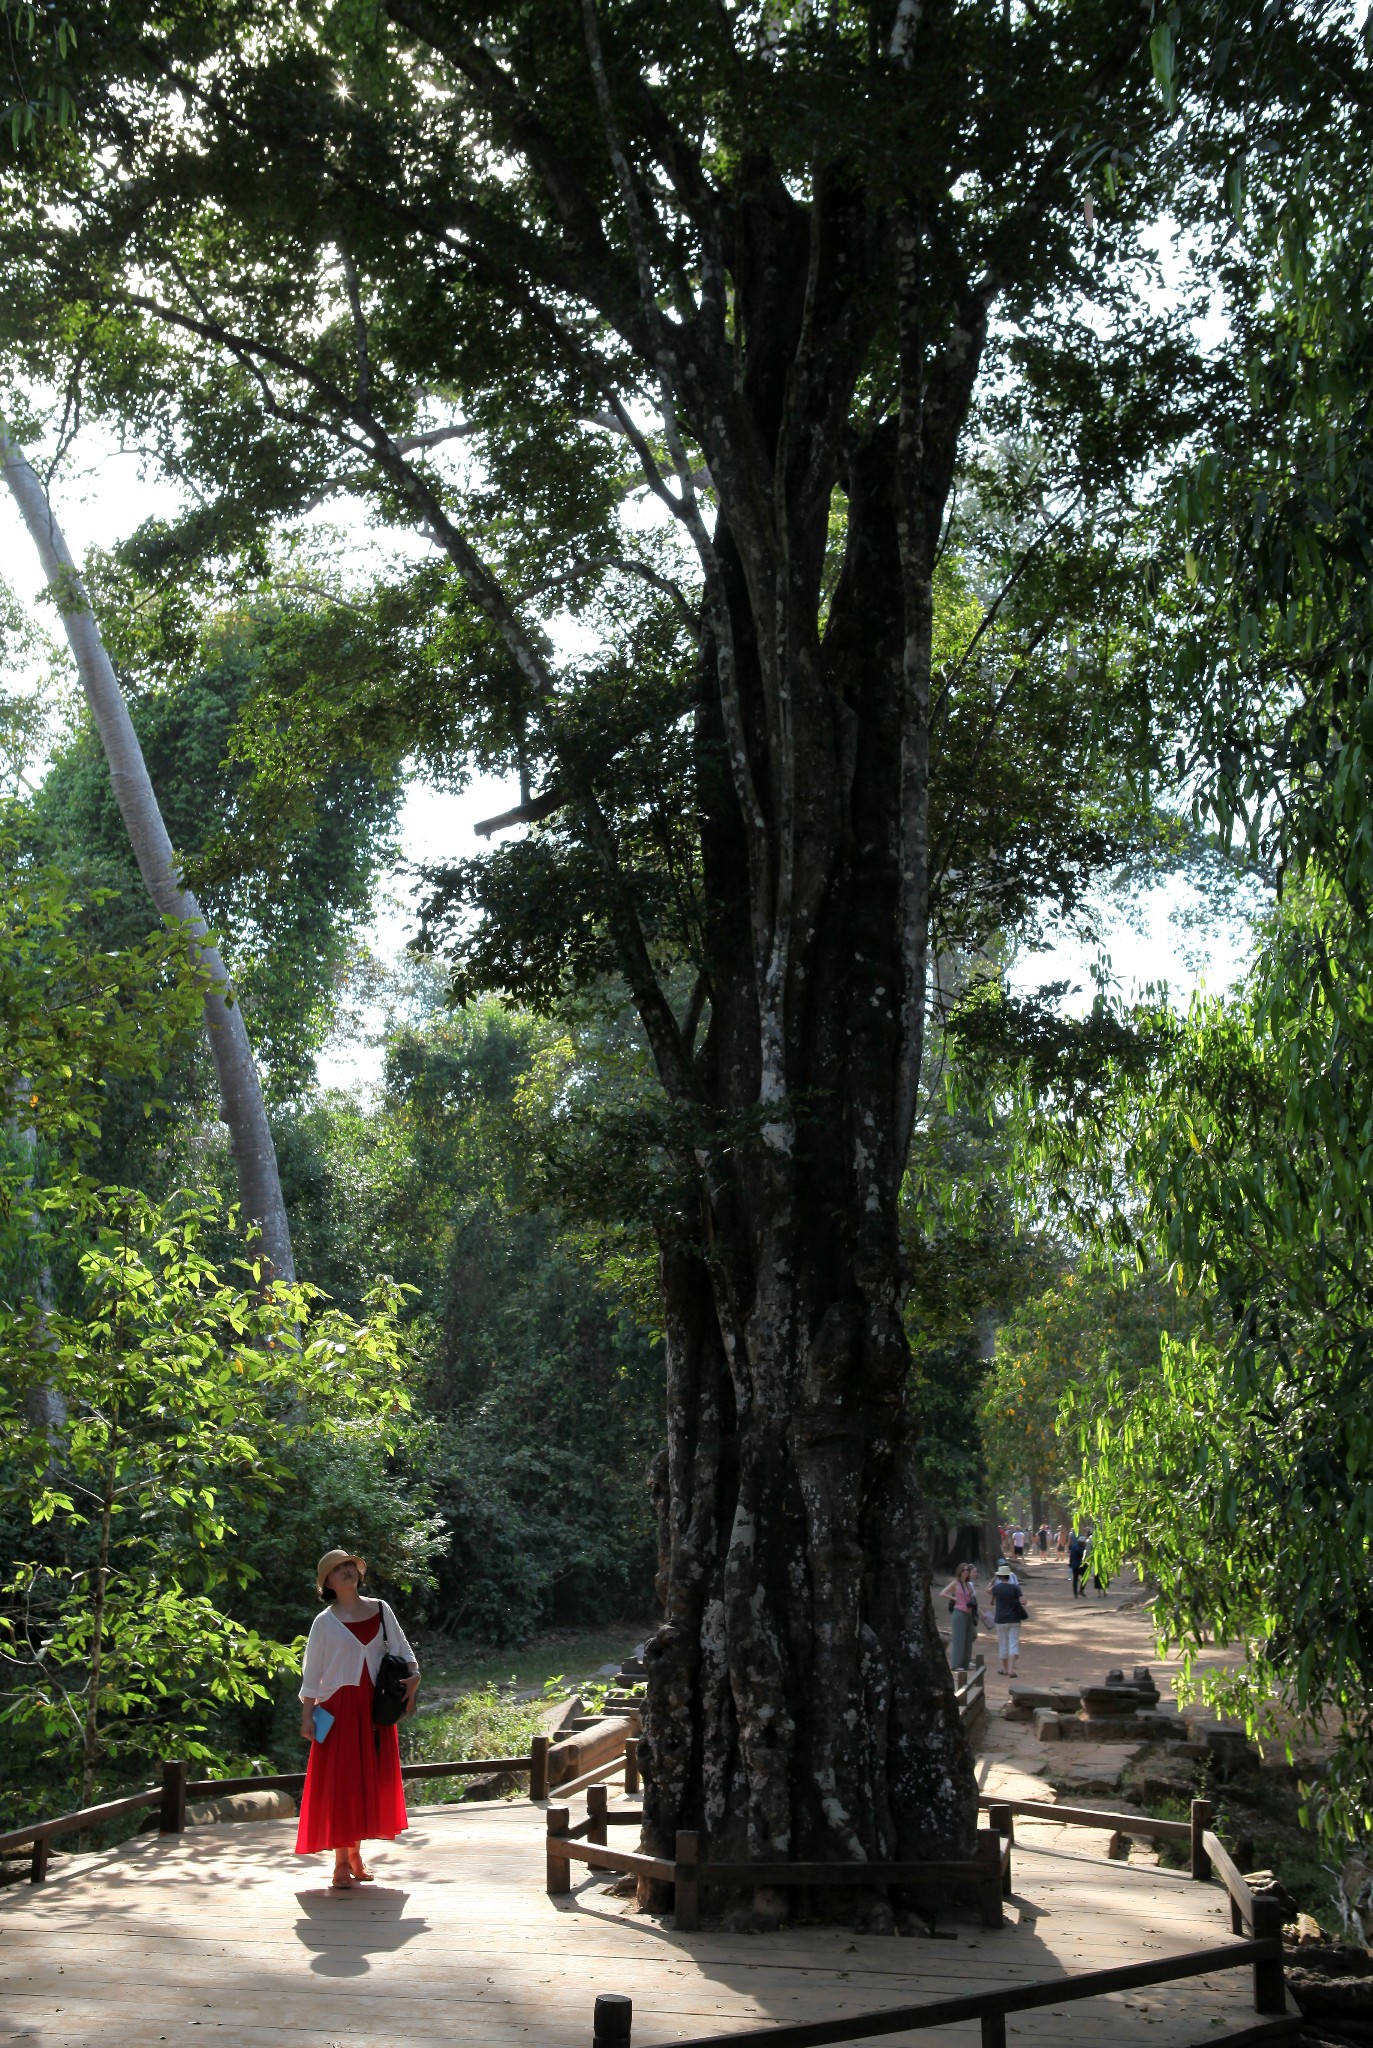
<point x="799" y="1703"/>
<point x="240" y="1092"/>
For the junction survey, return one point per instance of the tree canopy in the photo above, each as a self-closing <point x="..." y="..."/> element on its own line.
<point x="767" y="404"/>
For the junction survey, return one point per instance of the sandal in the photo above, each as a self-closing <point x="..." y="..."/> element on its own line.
<point x="360" y="1874"/>
<point x="342" y="1881"/>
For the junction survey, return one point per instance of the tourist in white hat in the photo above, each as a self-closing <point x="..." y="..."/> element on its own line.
<point x="353" y="1791"/>
<point x="1008" y="1611"/>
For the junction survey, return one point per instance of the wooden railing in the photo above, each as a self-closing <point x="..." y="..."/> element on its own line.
<point x="970" y="1693"/>
<point x="178" y="1787"/>
<point x="986" y="1874"/>
<point x="542" y="1762"/>
<point x="613" y="2016"/>
<point x="1252" y="1914"/>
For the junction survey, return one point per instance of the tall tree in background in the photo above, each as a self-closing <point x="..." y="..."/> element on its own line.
<point x="761" y="255"/>
<point x="240" y="1092"/>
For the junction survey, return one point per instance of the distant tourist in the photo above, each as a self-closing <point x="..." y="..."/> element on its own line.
<point x="1008" y="1611"/>
<point x="1043" y="1539"/>
<point x="1061" y="1542"/>
<point x="961" y="1594"/>
<point x="353" y="1791"/>
<point x="1077" y="1554"/>
<point x="1097" y="1580"/>
<point x="1018" y="1545"/>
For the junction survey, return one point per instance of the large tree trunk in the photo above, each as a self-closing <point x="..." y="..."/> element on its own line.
<point x="799" y="1702"/>
<point x="240" y="1093"/>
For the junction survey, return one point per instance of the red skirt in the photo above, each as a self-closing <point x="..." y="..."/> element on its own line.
<point x="353" y="1790"/>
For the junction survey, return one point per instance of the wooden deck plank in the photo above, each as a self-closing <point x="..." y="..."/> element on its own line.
<point x="225" y="1932"/>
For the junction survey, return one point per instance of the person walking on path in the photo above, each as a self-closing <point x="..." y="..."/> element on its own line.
<point x="1077" y="1552"/>
<point x="1008" y="1611"/>
<point x="961" y="1594"/>
<point x="1097" y="1580"/>
<point x="1061" y="1543"/>
<point x="1042" y="1538"/>
<point x="353" y="1790"/>
<point x="1018" y="1545"/>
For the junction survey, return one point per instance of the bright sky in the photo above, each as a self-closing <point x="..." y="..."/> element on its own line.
<point x="104" y="497"/>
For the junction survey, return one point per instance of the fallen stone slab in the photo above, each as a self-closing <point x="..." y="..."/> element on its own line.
<point x="1034" y="1696"/>
<point x="1334" y="1983"/>
<point x="1048" y="1725"/>
<point x="209" y="1813"/>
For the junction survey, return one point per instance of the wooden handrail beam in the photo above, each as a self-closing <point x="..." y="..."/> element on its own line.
<point x="593" y="1777"/>
<point x="1088" y="1817"/>
<point x="1242" y="1900"/>
<point x="950" y="1869"/>
<point x="993" y="2007"/>
<point x="176" y="1788"/>
<point x="629" y="1861"/>
<point x="81" y="1817"/>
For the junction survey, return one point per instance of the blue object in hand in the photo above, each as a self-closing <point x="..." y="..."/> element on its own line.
<point x="323" y="1721"/>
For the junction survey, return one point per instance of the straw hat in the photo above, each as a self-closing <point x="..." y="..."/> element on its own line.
<point x="330" y="1559"/>
<point x="1003" y="1571"/>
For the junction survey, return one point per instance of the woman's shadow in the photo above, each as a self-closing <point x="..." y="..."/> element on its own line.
<point x="342" y="1928"/>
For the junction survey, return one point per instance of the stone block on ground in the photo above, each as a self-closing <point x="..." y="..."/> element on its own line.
<point x="1227" y="1742"/>
<point x="1164" y="1724"/>
<point x="267" y="1805"/>
<point x="1335" y="1983"/>
<point x="1157" y="1782"/>
<point x="1033" y="1696"/>
<point x="1105" y="1702"/>
<point x="1048" y="1725"/>
<point x="1264" y="1884"/>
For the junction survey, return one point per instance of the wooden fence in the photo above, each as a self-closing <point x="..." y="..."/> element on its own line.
<point x="613" y="2014"/>
<point x="970" y="1692"/>
<point x="546" y="1763"/>
<point x="987" y="1875"/>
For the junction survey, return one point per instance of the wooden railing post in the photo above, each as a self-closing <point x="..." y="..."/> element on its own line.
<point x="559" y="1875"/>
<point x="1201" y="1821"/>
<point x="989" y="1886"/>
<point x="38" y="1859"/>
<point x="538" y="1766"/>
<point x="686" y="1909"/>
<point x="172" y="1820"/>
<point x="613" y="2017"/>
<point x="1270" y="1988"/>
<point x="632" y="1764"/>
<point x="597" y="1803"/>
<point x="1003" y="1821"/>
<point x="993" y="2030"/>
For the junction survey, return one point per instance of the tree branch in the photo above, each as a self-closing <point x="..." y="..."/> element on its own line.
<point x="530" y="813"/>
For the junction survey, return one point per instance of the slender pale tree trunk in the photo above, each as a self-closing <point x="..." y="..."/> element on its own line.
<point x="240" y="1092"/>
<point x="90" y="1746"/>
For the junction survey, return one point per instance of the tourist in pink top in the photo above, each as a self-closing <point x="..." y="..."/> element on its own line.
<point x="961" y="1594"/>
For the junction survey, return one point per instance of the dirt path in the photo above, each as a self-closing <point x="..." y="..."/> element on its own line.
<point x="1067" y="1641"/>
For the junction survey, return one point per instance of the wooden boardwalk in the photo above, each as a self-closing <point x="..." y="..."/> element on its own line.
<point x="223" y="1934"/>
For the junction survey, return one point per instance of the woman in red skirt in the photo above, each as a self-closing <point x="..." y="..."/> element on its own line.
<point x="353" y="1789"/>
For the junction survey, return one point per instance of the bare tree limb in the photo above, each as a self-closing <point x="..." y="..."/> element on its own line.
<point x="531" y="812"/>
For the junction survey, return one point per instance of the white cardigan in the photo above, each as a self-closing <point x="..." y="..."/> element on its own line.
<point x="334" y="1657"/>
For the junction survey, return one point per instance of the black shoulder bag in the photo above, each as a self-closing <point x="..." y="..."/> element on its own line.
<point x="389" y="1693"/>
